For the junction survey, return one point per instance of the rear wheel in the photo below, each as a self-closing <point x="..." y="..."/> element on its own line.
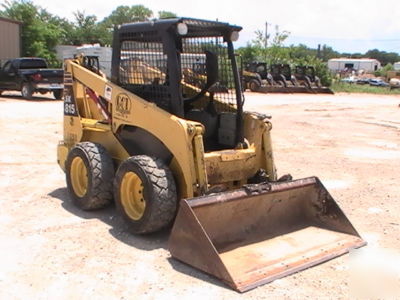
<point x="27" y="90"/>
<point x="283" y="80"/>
<point x="89" y="172"/>
<point x="317" y="82"/>
<point x="307" y="83"/>
<point x="254" y="85"/>
<point x="58" y="94"/>
<point x="280" y="83"/>
<point x="145" y="193"/>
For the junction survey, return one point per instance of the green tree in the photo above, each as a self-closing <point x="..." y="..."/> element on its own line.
<point x="328" y="53"/>
<point x="123" y="14"/>
<point x="40" y="30"/>
<point x="382" y="56"/>
<point x="275" y="52"/>
<point x="300" y="51"/>
<point x="248" y="53"/>
<point x="86" y="30"/>
<point x="128" y="14"/>
<point x="166" y="15"/>
<point x="383" y="71"/>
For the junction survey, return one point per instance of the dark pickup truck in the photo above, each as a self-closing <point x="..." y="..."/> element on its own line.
<point x="29" y="75"/>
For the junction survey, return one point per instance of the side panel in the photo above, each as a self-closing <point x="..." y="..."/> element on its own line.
<point x="128" y="109"/>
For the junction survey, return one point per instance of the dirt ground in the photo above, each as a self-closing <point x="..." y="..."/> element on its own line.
<point x="52" y="250"/>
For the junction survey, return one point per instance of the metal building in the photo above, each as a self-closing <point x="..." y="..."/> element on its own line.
<point x="342" y="64"/>
<point x="10" y="39"/>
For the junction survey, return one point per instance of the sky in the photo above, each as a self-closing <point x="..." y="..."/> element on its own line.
<point x="345" y="25"/>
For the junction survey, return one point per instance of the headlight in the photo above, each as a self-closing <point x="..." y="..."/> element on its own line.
<point x="182" y="28"/>
<point x="234" y="36"/>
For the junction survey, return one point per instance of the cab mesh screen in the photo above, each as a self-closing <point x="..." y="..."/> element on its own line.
<point x="194" y="73"/>
<point x="143" y="70"/>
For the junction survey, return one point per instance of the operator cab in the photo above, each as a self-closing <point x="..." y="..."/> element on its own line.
<point x="188" y="68"/>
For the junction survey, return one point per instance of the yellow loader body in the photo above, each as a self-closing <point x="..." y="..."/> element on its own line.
<point x="232" y="217"/>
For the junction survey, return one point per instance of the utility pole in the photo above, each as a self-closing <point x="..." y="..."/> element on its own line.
<point x="266" y="34"/>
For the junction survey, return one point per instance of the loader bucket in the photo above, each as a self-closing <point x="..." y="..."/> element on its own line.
<point x="254" y="235"/>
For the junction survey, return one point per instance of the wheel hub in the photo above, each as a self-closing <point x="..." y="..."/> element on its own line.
<point x="132" y="198"/>
<point x="79" y="176"/>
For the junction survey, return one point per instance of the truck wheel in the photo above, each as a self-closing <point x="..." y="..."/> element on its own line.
<point x="89" y="173"/>
<point x="254" y="85"/>
<point x="27" y="90"/>
<point x="145" y="193"/>
<point x="58" y="94"/>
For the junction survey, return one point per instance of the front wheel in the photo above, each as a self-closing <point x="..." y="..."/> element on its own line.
<point x="145" y="193"/>
<point x="27" y="90"/>
<point x="254" y="85"/>
<point x="283" y="80"/>
<point x="90" y="173"/>
<point x="307" y="83"/>
<point x="58" y="94"/>
<point x="317" y="82"/>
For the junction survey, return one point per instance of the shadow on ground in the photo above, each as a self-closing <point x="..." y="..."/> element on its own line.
<point x="192" y="272"/>
<point x="36" y="98"/>
<point x="119" y="229"/>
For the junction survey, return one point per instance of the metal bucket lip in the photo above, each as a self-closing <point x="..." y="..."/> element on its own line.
<point x="244" y="287"/>
<point x="273" y="187"/>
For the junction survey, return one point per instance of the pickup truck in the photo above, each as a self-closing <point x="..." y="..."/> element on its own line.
<point x="29" y="75"/>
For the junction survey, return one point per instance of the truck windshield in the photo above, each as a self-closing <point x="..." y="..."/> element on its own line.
<point x="33" y="64"/>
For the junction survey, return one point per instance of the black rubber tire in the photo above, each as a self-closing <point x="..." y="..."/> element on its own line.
<point x="100" y="170"/>
<point x="308" y="83"/>
<point x="283" y="80"/>
<point x="27" y="91"/>
<point x="159" y="191"/>
<point x="58" y="94"/>
<point x="317" y="82"/>
<point x="254" y="85"/>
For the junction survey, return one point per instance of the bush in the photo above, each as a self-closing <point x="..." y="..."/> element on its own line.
<point x="383" y="71"/>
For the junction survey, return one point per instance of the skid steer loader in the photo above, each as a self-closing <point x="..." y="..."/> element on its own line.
<point x="169" y="152"/>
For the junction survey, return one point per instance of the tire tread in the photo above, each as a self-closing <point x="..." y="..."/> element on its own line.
<point x="102" y="173"/>
<point x="164" y="195"/>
